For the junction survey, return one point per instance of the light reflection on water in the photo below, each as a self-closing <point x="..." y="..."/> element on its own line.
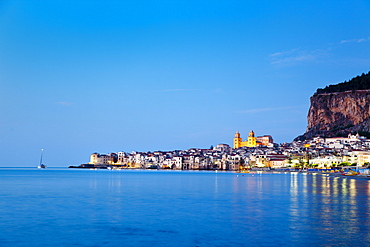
<point x="332" y="207"/>
<point x="174" y="208"/>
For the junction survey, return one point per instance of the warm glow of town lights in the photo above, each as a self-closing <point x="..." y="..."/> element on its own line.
<point x="254" y="153"/>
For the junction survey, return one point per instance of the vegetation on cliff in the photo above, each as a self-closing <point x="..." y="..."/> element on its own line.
<point x="361" y="82"/>
<point x="338" y="110"/>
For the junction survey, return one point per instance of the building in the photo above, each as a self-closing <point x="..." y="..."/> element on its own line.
<point x="102" y="159"/>
<point x="222" y="148"/>
<point x="252" y="141"/>
<point x="265" y="140"/>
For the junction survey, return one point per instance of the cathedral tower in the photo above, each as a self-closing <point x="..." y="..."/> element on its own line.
<point x="252" y="140"/>
<point x="237" y="140"/>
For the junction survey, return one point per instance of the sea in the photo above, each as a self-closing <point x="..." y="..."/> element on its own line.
<point x="80" y="207"/>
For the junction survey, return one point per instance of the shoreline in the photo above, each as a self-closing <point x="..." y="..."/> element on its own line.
<point x="329" y="174"/>
<point x="360" y="176"/>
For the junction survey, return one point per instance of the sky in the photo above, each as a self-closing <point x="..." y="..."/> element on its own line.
<point x="78" y="77"/>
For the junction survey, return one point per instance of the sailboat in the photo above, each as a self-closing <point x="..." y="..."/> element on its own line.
<point x="41" y="166"/>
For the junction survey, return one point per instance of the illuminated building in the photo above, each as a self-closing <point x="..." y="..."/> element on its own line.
<point x="252" y="141"/>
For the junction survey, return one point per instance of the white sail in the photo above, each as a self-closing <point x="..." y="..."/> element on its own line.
<point x="41" y="166"/>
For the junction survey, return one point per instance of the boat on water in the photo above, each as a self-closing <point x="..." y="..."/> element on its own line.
<point x="350" y="173"/>
<point x="41" y="165"/>
<point x="243" y="171"/>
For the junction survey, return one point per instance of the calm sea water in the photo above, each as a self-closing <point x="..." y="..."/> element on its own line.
<point x="71" y="207"/>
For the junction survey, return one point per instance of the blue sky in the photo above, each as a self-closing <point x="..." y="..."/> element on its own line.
<point x="78" y="77"/>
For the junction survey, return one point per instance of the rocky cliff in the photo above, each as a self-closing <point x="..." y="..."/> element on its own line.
<point x="338" y="114"/>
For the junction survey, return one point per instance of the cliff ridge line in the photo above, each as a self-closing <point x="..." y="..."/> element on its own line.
<point x="338" y="113"/>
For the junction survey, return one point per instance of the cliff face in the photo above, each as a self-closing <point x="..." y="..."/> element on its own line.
<point x="338" y="114"/>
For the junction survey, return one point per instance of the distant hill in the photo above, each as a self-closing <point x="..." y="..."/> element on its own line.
<point x="338" y="110"/>
<point x="360" y="82"/>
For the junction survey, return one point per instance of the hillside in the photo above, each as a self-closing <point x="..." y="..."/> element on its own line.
<point x="361" y="82"/>
<point x="338" y="110"/>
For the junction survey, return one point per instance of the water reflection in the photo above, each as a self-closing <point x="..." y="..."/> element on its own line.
<point x="294" y="194"/>
<point x="327" y="204"/>
<point x="309" y="209"/>
<point x="183" y="209"/>
<point x="216" y="184"/>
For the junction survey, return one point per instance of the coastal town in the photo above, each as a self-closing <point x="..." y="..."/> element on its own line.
<point x="256" y="152"/>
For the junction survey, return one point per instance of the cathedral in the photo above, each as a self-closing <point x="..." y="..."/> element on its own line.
<point x="252" y="141"/>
